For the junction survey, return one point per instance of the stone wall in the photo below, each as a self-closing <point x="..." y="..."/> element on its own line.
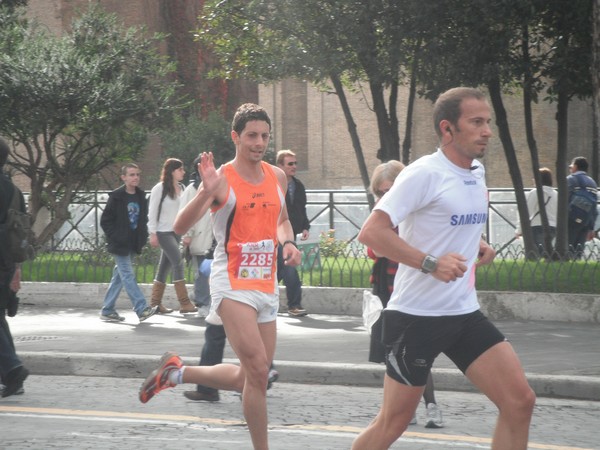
<point x="544" y="306"/>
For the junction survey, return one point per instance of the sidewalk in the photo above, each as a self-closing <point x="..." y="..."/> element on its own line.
<point x="562" y="359"/>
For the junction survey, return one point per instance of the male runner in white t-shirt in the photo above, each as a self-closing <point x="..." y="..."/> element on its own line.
<point x="439" y="204"/>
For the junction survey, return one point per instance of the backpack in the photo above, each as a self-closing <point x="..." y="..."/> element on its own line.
<point x="20" y="239"/>
<point x="582" y="205"/>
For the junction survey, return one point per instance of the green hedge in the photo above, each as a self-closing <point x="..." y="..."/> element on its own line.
<point x="333" y="271"/>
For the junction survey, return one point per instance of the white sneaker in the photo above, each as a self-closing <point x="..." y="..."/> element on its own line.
<point x="273" y="377"/>
<point x="203" y="311"/>
<point x="434" y="417"/>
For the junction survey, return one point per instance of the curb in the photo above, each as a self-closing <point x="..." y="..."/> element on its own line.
<point x="365" y="375"/>
<point x="544" y="306"/>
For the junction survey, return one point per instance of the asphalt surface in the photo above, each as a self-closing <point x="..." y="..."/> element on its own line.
<point x="561" y="359"/>
<point x="101" y="413"/>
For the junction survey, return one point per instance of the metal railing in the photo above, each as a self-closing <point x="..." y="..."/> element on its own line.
<point x="77" y="252"/>
<point x="342" y="210"/>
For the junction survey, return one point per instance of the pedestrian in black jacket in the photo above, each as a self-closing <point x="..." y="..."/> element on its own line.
<point x="295" y="202"/>
<point x="12" y="371"/>
<point x="125" y="225"/>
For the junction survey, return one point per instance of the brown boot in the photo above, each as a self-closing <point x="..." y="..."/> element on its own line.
<point x="158" y="289"/>
<point x="182" y="296"/>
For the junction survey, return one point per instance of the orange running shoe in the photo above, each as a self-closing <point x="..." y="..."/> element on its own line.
<point x="158" y="380"/>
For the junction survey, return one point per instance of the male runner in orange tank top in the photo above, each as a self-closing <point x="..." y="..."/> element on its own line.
<point x="247" y="201"/>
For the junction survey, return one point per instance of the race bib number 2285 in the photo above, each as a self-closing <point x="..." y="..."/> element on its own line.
<point x="256" y="260"/>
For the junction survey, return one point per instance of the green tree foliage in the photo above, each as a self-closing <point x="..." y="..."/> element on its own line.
<point x="466" y="44"/>
<point x="566" y="30"/>
<point x="595" y="69"/>
<point x="537" y="47"/>
<point x="76" y="104"/>
<point x="336" y="44"/>
<point x="189" y="136"/>
<point x="12" y="4"/>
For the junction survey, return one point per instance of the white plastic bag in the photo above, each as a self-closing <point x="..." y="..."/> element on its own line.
<point x="371" y="310"/>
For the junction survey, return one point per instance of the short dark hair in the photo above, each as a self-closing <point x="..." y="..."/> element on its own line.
<point x="4" y="152"/>
<point x="447" y="106"/>
<point x="581" y="163"/>
<point x="246" y="113"/>
<point x="546" y="176"/>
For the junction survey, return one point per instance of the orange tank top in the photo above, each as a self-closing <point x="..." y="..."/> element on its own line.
<point x="247" y="226"/>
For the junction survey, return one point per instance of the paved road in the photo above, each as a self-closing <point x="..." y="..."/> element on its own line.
<point x="63" y="407"/>
<point x="561" y="358"/>
<point x="59" y="412"/>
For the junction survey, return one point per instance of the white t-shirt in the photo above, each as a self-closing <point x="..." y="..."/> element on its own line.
<point x="201" y="232"/>
<point x="439" y="208"/>
<point x="551" y="201"/>
<point x="168" y="211"/>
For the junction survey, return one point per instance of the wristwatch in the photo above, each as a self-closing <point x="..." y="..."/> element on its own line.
<point x="429" y="264"/>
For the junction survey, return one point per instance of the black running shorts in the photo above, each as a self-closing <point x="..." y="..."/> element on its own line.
<point x="413" y="342"/>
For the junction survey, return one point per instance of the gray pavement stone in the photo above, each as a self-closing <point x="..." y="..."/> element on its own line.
<point x="562" y="359"/>
<point x="59" y="412"/>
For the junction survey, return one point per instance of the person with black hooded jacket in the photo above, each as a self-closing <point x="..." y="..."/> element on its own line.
<point x="125" y="225"/>
<point x="12" y="371"/>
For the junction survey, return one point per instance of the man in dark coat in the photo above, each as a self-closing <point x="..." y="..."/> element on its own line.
<point x="125" y="224"/>
<point x="12" y="371"/>
<point x="295" y="201"/>
<point x="581" y="231"/>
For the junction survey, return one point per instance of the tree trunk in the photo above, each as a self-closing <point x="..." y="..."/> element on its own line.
<point x="362" y="166"/>
<point x="595" y="161"/>
<point x="535" y="161"/>
<point x="507" y="144"/>
<point x="562" y="223"/>
<point x="412" y="94"/>
<point x="387" y="128"/>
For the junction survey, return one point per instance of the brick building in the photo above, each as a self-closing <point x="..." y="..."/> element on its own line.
<point x="312" y="124"/>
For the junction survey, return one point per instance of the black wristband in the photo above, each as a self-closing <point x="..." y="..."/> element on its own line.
<point x="289" y="242"/>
